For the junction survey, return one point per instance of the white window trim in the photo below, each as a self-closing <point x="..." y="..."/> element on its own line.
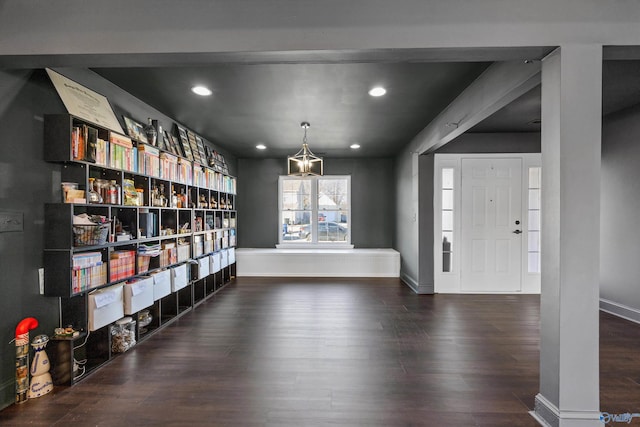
<point x="314" y="209"/>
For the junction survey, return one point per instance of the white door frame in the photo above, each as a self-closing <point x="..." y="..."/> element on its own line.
<point x="449" y="282"/>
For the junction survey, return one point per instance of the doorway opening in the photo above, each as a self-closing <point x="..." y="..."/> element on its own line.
<point x="487" y="223"/>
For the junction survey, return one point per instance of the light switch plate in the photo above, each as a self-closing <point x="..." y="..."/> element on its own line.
<point x="41" y="280"/>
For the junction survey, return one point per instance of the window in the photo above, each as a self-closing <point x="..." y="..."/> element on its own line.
<point x="533" y="250"/>
<point x="447" y="219"/>
<point x="315" y="211"/>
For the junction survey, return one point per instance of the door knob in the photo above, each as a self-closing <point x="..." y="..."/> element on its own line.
<point x="517" y="231"/>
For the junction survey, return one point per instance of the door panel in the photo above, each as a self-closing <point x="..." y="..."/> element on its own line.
<point x="491" y="205"/>
<point x="479" y="256"/>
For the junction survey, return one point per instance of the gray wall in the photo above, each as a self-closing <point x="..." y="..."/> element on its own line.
<point x="414" y="238"/>
<point x="620" y="204"/>
<point x="426" y="272"/>
<point x="257" y="201"/>
<point x="372" y="200"/>
<point x="26" y="184"/>
<point x="406" y="233"/>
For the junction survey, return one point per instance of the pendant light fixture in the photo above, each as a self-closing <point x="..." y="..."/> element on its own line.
<point x="304" y="162"/>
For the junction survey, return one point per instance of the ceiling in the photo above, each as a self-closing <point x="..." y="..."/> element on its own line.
<point x="620" y="90"/>
<point x="263" y="102"/>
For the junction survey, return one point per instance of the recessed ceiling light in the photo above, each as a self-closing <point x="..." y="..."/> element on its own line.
<point x="377" y="91"/>
<point x="261" y="147"/>
<point x="201" y="90"/>
<point x="354" y="146"/>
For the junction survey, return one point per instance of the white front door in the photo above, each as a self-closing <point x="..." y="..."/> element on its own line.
<point x="491" y="225"/>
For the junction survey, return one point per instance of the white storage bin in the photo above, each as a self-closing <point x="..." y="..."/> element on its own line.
<point x="179" y="277"/>
<point x="224" y="258"/>
<point x="105" y="306"/>
<point x="161" y="284"/>
<point x="138" y="294"/>
<point x="215" y="263"/>
<point x="201" y="269"/>
<point x="231" y="255"/>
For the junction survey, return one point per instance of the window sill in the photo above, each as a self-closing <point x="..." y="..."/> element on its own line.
<point x="314" y="246"/>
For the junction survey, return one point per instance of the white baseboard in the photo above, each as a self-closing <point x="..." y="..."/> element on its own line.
<point x="620" y="310"/>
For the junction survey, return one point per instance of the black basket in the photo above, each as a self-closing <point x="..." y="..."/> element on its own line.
<point x="90" y="235"/>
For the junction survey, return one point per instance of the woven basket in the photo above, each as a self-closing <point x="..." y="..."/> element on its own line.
<point x="90" y="235"/>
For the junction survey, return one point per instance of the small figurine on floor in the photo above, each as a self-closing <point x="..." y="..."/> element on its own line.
<point x="41" y="382"/>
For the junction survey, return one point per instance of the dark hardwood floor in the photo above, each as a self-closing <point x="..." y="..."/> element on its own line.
<point x="344" y="352"/>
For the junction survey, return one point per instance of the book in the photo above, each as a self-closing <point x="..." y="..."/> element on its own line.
<point x="91" y="139"/>
<point x="77" y="143"/>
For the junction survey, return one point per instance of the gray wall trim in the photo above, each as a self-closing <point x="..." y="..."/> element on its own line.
<point x="415" y="286"/>
<point x="409" y="281"/>
<point x="620" y="310"/>
<point x="548" y="415"/>
<point x="545" y="412"/>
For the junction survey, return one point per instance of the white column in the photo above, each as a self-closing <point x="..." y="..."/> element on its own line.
<point x="571" y="138"/>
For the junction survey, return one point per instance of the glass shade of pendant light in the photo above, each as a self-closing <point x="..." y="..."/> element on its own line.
<point x="304" y="162"/>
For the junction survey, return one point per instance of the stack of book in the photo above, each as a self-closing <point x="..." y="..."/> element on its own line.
<point x="208" y="243"/>
<point x="149" y="160"/>
<point x="168" y="255"/>
<point x="210" y="178"/>
<point x="168" y="167"/>
<point x="217" y="182"/>
<point x="199" y="177"/>
<point x="218" y="241"/>
<point x="102" y="152"/>
<point x="185" y="171"/>
<point x="229" y="185"/>
<point x="122" y="265"/>
<point x="198" y="247"/>
<point x="145" y="253"/>
<point x="88" y="271"/>
<point x="122" y="153"/>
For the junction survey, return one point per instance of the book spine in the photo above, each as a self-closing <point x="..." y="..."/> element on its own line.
<point x="75" y="142"/>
